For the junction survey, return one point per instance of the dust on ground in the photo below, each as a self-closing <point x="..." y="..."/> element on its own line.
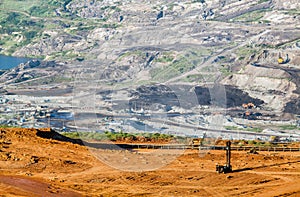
<point x="32" y="164"/>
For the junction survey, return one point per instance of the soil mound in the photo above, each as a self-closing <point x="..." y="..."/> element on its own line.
<point x="41" y="162"/>
<point x="46" y="133"/>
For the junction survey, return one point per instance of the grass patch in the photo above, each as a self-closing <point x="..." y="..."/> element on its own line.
<point x="253" y="16"/>
<point x="289" y="127"/>
<point x="231" y="128"/>
<point x="16" y="22"/>
<point x="262" y="1"/>
<point x="131" y="53"/>
<point x="19" y="30"/>
<point x="66" y="55"/>
<point x="251" y="129"/>
<point x="7" y="126"/>
<point x="200" y="78"/>
<point x="194" y="78"/>
<point x="18" y="5"/>
<point x="292" y="12"/>
<point x="29" y="18"/>
<point x="111" y="25"/>
<point x="165" y="57"/>
<point x="177" y="66"/>
<point x="246" y="51"/>
<point x="258" y="143"/>
<point x="225" y="70"/>
<point x="118" y="136"/>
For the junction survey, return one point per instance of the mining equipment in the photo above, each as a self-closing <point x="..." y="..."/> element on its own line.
<point x="227" y="167"/>
<point x="281" y="60"/>
<point x="248" y="114"/>
<point x="198" y="141"/>
<point x="248" y="105"/>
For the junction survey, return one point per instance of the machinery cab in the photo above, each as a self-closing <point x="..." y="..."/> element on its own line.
<point x="223" y="169"/>
<point x="280" y="59"/>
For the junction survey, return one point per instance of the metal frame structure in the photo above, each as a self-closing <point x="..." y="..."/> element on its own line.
<point x="227" y="168"/>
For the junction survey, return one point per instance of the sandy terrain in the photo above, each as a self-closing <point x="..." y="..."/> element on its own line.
<point x="35" y="166"/>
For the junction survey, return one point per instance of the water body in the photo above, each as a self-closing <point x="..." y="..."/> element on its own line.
<point x="8" y="62"/>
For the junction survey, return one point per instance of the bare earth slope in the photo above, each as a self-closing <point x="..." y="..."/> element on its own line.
<point x="118" y="45"/>
<point x="36" y="166"/>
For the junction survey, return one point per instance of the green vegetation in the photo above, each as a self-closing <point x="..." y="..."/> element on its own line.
<point x="176" y="68"/>
<point x="115" y="8"/>
<point x="6" y="116"/>
<point x="4" y="126"/>
<point x="48" y="8"/>
<point x="184" y="63"/>
<point x="194" y="78"/>
<point x="16" y="23"/>
<point x="65" y="55"/>
<point x="200" y="78"/>
<point x="246" y="51"/>
<point x="137" y="53"/>
<point x="24" y="21"/>
<point x="118" y="136"/>
<point x="252" y="129"/>
<point x="225" y="70"/>
<point x="166" y="57"/>
<point x="18" y="28"/>
<point x="262" y="1"/>
<point x="18" y="5"/>
<point x="292" y="12"/>
<point x="110" y="25"/>
<point x="287" y="44"/>
<point x="48" y="80"/>
<point x="253" y="16"/>
<point x="289" y="127"/>
<point x="265" y="21"/>
<point x="257" y="143"/>
<point x="258" y="130"/>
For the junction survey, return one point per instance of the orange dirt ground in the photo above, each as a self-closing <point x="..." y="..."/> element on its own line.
<point x="36" y="166"/>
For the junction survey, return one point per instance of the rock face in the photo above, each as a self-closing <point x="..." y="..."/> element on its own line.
<point x="277" y="85"/>
<point x="273" y="86"/>
<point x="146" y="97"/>
<point x="56" y="43"/>
<point x="289" y="4"/>
<point x="233" y="97"/>
<point x="196" y="43"/>
<point x="30" y="71"/>
<point x="168" y="97"/>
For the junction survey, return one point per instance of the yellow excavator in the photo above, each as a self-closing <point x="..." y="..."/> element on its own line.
<point x="280" y="59"/>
